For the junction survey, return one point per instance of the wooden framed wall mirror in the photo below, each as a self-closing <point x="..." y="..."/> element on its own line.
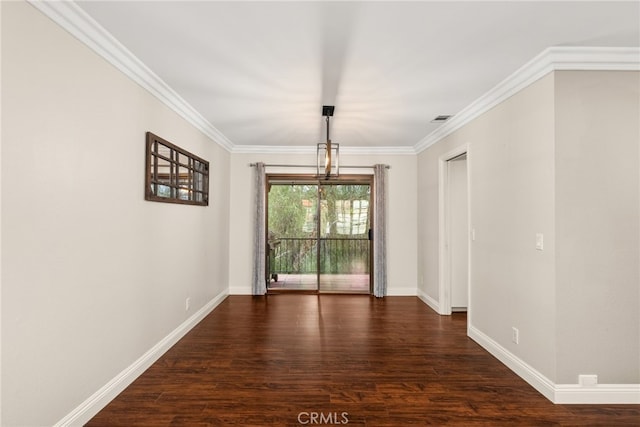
<point x="174" y="175"/>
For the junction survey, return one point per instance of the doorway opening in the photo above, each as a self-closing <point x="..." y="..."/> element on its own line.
<point x="319" y="234"/>
<point x="458" y="233"/>
<point x="454" y="288"/>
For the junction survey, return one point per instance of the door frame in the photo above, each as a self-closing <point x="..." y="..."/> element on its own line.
<point x="319" y="181"/>
<point x="444" y="231"/>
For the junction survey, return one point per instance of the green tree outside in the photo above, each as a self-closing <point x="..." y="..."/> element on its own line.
<point x="344" y="226"/>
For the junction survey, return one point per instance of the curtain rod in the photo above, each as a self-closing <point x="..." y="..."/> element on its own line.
<point x="315" y="166"/>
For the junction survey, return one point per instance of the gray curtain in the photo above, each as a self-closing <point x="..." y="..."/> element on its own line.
<point x="259" y="280"/>
<point x="379" y="232"/>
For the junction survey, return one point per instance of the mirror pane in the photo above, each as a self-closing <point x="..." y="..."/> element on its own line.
<point x="164" y="151"/>
<point x="164" y="171"/>
<point x="163" y="190"/>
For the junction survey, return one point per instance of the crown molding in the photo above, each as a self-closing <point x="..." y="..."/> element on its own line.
<point x="79" y="24"/>
<point x="274" y="149"/>
<point x="311" y="149"/>
<point x="396" y="151"/>
<point x="82" y="26"/>
<point x="551" y="59"/>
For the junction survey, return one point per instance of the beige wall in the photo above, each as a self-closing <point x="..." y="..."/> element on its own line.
<point x="510" y="161"/>
<point x="93" y="276"/>
<point x="558" y="158"/>
<point x="598" y="221"/>
<point x="401" y="215"/>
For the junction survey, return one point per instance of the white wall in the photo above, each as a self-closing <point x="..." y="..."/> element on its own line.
<point x="598" y="221"/>
<point x="401" y="219"/>
<point x="93" y="275"/>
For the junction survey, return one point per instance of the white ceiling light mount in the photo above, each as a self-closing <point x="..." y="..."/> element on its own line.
<point x="328" y="153"/>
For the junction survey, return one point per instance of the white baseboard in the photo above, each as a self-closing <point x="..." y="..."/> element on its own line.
<point x="401" y="291"/>
<point x="240" y="290"/>
<point x="538" y="381"/>
<point x="433" y="304"/>
<point x="90" y="407"/>
<point x="599" y="394"/>
<point x="396" y="292"/>
<point x="558" y="393"/>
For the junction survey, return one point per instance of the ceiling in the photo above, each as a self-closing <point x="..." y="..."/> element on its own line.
<point x="260" y="72"/>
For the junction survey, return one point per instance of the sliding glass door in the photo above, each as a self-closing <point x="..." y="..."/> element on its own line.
<point x="318" y="235"/>
<point x="292" y="235"/>
<point x="344" y="247"/>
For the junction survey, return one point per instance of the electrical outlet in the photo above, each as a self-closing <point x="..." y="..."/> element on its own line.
<point x="539" y="241"/>
<point x="588" y="380"/>
<point x="515" y="335"/>
<point x="187" y="304"/>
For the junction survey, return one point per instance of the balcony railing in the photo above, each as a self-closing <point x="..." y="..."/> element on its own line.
<point x="337" y="256"/>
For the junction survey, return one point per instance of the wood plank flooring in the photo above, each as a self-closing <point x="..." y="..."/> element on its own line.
<point x="292" y="360"/>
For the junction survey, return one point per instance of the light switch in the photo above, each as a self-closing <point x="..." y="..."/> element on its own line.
<point x="539" y="241"/>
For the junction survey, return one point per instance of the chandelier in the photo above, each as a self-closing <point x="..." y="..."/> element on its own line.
<point x="328" y="153"/>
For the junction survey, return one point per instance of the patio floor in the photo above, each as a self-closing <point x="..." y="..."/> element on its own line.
<point x="337" y="283"/>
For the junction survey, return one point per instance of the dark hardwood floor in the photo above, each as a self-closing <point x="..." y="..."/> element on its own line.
<point x="292" y="360"/>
